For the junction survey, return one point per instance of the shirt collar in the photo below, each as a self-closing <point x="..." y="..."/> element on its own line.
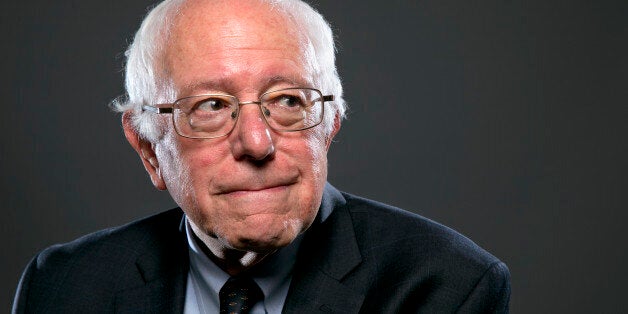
<point x="272" y="275"/>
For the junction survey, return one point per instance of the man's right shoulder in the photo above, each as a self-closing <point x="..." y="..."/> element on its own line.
<point x="86" y="274"/>
<point x="134" y="237"/>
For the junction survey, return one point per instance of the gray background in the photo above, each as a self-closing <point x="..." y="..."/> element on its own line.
<point x="502" y="119"/>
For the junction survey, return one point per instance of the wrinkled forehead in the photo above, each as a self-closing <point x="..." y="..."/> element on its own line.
<point x="209" y="30"/>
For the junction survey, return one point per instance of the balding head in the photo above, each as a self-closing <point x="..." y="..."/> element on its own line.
<point x="148" y="79"/>
<point x="258" y="185"/>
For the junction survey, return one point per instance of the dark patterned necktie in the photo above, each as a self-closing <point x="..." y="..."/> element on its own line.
<point x="238" y="295"/>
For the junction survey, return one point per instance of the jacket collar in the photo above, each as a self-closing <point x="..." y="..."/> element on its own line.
<point x="162" y="268"/>
<point x="329" y="252"/>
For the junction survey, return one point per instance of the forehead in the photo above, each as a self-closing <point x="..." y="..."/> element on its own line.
<point x="234" y="42"/>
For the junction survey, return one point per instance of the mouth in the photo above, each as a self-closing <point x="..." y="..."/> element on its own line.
<point x="271" y="189"/>
<point x="252" y="189"/>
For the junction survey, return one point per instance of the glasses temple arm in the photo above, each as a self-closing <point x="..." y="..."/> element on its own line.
<point x="154" y="109"/>
<point x="325" y="98"/>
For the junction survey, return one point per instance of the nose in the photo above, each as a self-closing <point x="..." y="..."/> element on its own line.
<point x="251" y="138"/>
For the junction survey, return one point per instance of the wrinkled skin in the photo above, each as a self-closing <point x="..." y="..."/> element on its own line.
<point x="256" y="189"/>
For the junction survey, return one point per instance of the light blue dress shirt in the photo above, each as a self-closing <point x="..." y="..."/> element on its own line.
<point x="205" y="279"/>
<point x="272" y="275"/>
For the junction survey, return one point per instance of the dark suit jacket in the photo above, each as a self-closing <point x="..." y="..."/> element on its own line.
<point x="365" y="257"/>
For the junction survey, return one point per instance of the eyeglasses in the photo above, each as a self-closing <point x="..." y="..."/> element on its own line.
<point x="215" y="115"/>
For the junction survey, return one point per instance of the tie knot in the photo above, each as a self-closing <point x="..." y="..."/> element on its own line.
<point x="238" y="295"/>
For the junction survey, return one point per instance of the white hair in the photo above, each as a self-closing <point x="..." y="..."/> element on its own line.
<point x="147" y="82"/>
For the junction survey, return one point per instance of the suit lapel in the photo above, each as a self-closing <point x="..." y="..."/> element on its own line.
<point x="160" y="285"/>
<point x="328" y="253"/>
<point x="165" y="295"/>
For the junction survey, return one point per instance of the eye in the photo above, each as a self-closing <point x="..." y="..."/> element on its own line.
<point x="290" y="101"/>
<point x="211" y="104"/>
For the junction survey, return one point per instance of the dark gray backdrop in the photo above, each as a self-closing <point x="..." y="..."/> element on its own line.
<point x="502" y="119"/>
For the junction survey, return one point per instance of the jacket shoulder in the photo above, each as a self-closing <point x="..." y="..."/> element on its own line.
<point x="384" y="225"/>
<point x="134" y="238"/>
<point x="415" y="258"/>
<point x="87" y="272"/>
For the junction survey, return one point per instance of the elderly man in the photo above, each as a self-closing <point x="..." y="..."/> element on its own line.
<point x="232" y="106"/>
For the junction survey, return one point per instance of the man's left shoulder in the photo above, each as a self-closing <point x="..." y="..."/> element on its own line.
<point x="413" y="255"/>
<point x="382" y="225"/>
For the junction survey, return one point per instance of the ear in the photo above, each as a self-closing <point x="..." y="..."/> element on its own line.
<point x="146" y="151"/>
<point x="334" y="131"/>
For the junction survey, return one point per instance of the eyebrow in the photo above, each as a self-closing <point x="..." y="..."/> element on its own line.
<point x="226" y="85"/>
<point x="220" y="84"/>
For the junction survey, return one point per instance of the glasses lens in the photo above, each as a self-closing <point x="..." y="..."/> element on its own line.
<point x="205" y="116"/>
<point x="292" y="109"/>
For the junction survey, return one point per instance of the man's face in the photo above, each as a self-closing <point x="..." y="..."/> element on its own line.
<point x="255" y="189"/>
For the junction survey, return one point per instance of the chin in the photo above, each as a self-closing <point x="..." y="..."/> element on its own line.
<point x="265" y="237"/>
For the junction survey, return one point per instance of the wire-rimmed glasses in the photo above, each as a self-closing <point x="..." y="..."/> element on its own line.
<point x="215" y="115"/>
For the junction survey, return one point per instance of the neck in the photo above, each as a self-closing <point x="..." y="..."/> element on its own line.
<point x="231" y="260"/>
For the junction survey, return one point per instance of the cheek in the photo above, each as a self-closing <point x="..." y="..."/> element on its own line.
<point x="192" y="167"/>
<point x="313" y="166"/>
<point x="179" y="166"/>
<point x="311" y="158"/>
<point x="192" y="160"/>
<point x="174" y="170"/>
<point x="316" y="154"/>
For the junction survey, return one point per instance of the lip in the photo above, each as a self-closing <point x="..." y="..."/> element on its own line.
<point x="242" y="191"/>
